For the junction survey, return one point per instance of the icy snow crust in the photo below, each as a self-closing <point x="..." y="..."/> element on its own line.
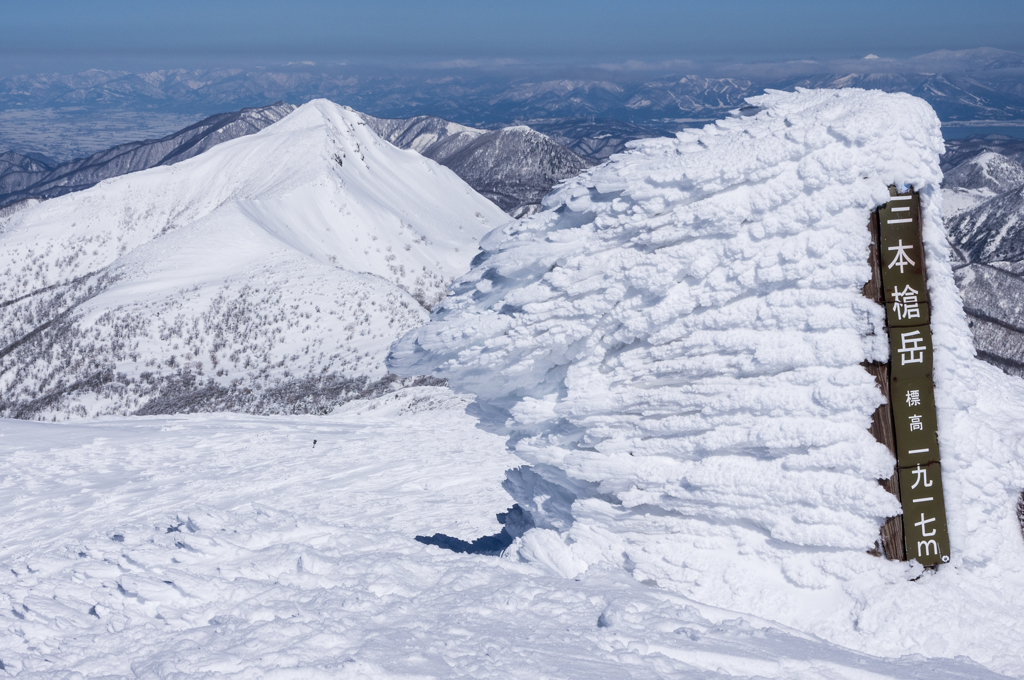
<point x="674" y="347"/>
<point x="269" y="274"/>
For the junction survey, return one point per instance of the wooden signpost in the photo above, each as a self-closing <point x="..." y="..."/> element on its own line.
<point x="907" y="424"/>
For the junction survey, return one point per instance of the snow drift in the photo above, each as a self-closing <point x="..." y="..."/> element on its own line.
<point x="269" y="274"/>
<point x="674" y="347"/>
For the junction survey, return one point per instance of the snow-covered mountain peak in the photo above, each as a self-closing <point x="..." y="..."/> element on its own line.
<point x="344" y="127"/>
<point x="297" y="253"/>
<point x="422" y="133"/>
<point x="982" y="203"/>
<point x="319" y="147"/>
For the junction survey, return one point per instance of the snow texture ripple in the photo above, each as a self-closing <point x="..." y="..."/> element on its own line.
<point x="674" y="348"/>
<point x="228" y="546"/>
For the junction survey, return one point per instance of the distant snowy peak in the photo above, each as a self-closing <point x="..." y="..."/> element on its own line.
<point x="981" y="58"/>
<point x="988" y="170"/>
<point x="703" y="96"/>
<point x="269" y="274"/>
<point x="432" y="137"/>
<point x="514" y="166"/>
<point x="977" y="180"/>
<point x="597" y="139"/>
<point x="958" y="151"/>
<point x="29" y="176"/>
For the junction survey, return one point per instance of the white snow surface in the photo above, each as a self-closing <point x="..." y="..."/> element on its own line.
<point x="228" y="546"/>
<point x="298" y="253"/>
<point x="957" y="201"/>
<point x="674" y="348"/>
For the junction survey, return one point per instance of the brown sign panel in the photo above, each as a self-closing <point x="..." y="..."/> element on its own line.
<point x="924" y="514"/>
<point x="911" y="390"/>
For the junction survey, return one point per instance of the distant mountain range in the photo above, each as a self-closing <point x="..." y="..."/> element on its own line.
<point x="960" y="150"/>
<point x="980" y="84"/>
<point x="571" y="123"/>
<point x="594" y="138"/>
<point x="515" y="167"/>
<point x="581" y="108"/>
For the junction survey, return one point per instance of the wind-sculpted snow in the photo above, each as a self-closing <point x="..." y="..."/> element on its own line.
<point x="269" y="274"/>
<point x="675" y="348"/>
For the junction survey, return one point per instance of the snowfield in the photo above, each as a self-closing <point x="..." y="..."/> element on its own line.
<point x="227" y="546"/>
<point x="674" y="347"/>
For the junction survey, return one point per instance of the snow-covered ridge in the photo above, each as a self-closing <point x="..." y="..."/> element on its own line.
<point x="674" y="347"/>
<point x="976" y="181"/>
<point x="988" y="170"/>
<point x="24" y="178"/>
<point x="269" y="273"/>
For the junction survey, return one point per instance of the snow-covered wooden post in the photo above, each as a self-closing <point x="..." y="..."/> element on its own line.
<point x="910" y="391"/>
<point x="881" y="420"/>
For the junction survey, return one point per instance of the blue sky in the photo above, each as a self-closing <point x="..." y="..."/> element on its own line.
<point x="103" y="33"/>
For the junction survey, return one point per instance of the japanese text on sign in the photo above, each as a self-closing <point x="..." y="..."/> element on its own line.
<point x="912" y="403"/>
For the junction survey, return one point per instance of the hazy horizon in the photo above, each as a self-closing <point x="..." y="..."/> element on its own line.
<point x="65" y="36"/>
<point x="983" y="57"/>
